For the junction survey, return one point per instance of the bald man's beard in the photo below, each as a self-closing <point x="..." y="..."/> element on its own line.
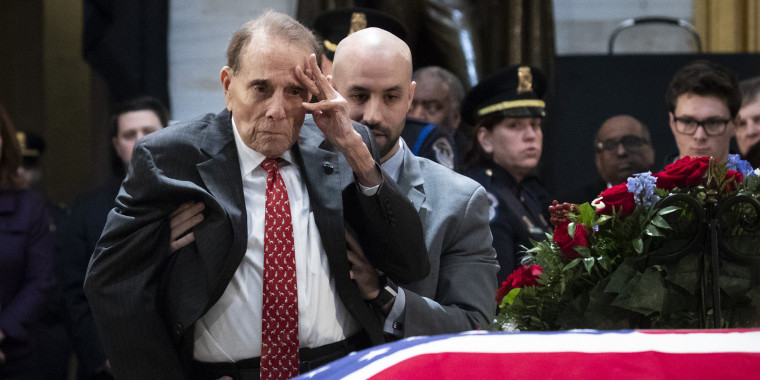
<point x="391" y="139"/>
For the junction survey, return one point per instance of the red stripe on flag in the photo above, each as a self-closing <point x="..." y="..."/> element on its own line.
<point x="620" y="366"/>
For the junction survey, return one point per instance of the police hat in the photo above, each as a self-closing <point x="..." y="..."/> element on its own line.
<point x="335" y="25"/>
<point x="32" y="146"/>
<point x="514" y="92"/>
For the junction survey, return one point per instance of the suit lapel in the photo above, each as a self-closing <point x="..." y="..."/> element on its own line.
<point x="323" y="182"/>
<point x="410" y="179"/>
<point x="221" y="176"/>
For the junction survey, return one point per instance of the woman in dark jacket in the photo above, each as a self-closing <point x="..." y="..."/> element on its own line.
<point x="506" y="112"/>
<point x="26" y="259"/>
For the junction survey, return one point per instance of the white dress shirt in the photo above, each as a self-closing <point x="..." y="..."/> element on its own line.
<point x="231" y="329"/>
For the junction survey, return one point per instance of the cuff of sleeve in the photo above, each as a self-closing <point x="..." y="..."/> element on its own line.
<point x="370" y="191"/>
<point x="394" y="322"/>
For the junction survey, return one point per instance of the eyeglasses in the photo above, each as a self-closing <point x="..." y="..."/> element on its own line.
<point x="712" y="126"/>
<point x="631" y="143"/>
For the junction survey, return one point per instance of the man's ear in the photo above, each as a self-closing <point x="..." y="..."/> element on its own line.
<point x="325" y="65"/>
<point x="412" y="86"/>
<point x="226" y="78"/>
<point x="329" y="79"/>
<point x="484" y="139"/>
<point x="672" y="123"/>
<point x="732" y="123"/>
<point x="456" y="117"/>
<point x="598" y="162"/>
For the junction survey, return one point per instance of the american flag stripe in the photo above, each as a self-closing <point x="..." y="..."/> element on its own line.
<point x="628" y="354"/>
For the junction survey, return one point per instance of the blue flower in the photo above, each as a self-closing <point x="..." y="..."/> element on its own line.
<point x="736" y="164"/>
<point x="642" y="186"/>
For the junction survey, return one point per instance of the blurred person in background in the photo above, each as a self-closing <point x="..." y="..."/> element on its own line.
<point x="54" y="347"/>
<point x="436" y="102"/>
<point x="26" y="261"/>
<point x="703" y="99"/>
<point x="623" y="148"/>
<point x="130" y="121"/>
<point x="748" y="121"/>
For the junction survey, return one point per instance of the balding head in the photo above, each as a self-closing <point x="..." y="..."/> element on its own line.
<point x="622" y="148"/>
<point x="372" y="69"/>
<point x="372" y="45"/>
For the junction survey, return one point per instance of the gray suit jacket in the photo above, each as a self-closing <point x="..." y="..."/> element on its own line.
<point x="459" y="293"/>
<point x="145" y="300"/>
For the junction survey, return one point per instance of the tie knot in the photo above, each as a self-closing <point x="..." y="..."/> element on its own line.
<point x="270" y="164"/>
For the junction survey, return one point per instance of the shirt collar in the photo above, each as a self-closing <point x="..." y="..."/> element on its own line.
<point x="249" y="158"/>
<point x="393" y="165"/>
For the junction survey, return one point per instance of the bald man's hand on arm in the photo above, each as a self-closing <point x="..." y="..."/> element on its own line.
<point x="331" y="116"/>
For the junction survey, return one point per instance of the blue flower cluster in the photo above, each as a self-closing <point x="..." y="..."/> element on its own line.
<point x="642" y="186"/>
<point x="736" y="164"/>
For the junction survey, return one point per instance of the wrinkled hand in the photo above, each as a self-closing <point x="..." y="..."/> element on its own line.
<point x="362" y="272"/>
<point x="331" y="116"/>
<point x="184" y="218"/>
<point x="331" y="112"/>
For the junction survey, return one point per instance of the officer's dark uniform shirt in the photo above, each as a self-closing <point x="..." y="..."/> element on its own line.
<point x="516" y="214"/>
<point x="429" y="141"/>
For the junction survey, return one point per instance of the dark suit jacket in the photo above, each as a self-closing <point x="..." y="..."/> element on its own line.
<point x="145" y="300"/>
<point x="26" y="270"/>
<point x="79" y="234"/>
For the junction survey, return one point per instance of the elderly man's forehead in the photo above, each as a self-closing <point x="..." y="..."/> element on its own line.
<point x="262" y="52"/>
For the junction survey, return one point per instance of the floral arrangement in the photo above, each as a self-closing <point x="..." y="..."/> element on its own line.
<point x="635" y="257"/>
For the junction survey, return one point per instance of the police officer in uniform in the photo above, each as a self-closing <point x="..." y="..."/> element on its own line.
<point x="428" y="140"/>
<point x="507" y="114"/>
<point x="424" y="139"/>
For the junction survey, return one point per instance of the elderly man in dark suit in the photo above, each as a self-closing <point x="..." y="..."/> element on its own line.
<point x="276" y="195"/>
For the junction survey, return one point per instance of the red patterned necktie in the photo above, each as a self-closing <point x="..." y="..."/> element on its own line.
<point x="279" y="320"/>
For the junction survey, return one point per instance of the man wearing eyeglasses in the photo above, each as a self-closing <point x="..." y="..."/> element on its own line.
<point x="623" y="148"/>
<point x="704" y="99"/>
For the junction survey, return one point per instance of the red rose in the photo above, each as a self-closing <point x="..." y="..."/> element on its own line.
<point x="619" y="198"/>
<point x="566" y="243"/>
<point x="686" y="172"/>
<point x="737" y="176"/>
<point x="526" y="275"/>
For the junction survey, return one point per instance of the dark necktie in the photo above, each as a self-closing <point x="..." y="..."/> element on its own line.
<point x="279" y="320"/>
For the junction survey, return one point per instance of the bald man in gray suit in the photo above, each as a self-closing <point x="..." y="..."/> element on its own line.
<point x="372" y="69"/>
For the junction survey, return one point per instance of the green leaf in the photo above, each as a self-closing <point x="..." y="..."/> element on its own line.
<point x="621" y="277"/>
<point x="644" y="294"/>
<point x="586" y="213"/>
<point x="653" y="231"/>
<point x="638" y="245"/>
<point x="510" y="297"/>
<point x="602" y="219"/>
<point x="588" y="262"/>
<point x="571" y="230"/>
<point x="668" y="210"/>
<point x="582" y="250"/>
<point x="660" y="222"/>
<point x="571" y="264"/>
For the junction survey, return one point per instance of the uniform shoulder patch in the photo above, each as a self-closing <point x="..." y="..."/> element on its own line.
<point x="493" y="205"/>
<point x="444" y="152"/>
